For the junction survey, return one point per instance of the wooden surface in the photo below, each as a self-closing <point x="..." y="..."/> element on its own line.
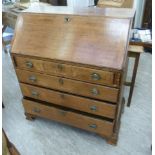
<point x="70" y="101"/>
<point x="88" y="11"/>
<point x="72" y="41"/>
<point x="69" y="71"/>
<point x="45" y="131"/>
<point x="147" y="17"/>
<point x="116" y="3"/>
<point x="134" y="52"/>
<point x="67" y="85"/>
<point x="76" y="119"/>
<point x="144" y="44"/>
<point x="72" y="64"/>
<point x="136" y="49"/>
<point x="7" y="147"/>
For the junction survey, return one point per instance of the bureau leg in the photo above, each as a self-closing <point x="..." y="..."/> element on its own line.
<point x="29" y="116"/>
<point x="113" y="139"/>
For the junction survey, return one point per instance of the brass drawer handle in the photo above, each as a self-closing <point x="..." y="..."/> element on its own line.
<point x="29" y="64"/>
<point x="36" y="110"/>
<point x="34" y="93"/>
<point x="60" y="67"/>
<point x="62" y="112"/>
<point x="93" y="126"/>
<point x="95" y="76"/>
<point x="32" y="78"/>
<point x="61" y="81"/>
<point x="94" y="91"/>
<point x="93" y="108"/>
<point x="67" y="19"/>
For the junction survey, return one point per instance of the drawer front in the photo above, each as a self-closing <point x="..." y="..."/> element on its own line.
<point x="74" y="72"/>
<point x="75" y="119"/>
<point x="70" y="101"/>
<point x="71" y="86"/>
<point x="81" y="73"/>
<point x="28" y="63"/>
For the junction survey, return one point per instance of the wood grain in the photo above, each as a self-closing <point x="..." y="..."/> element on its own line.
<point x="85" y="11"/>
<point x="71" y="64"/>
<point x="92" y="40"/>
<point x="69" y="71"/>
<point x="71" y="118"/>
<point x="70" y="101"/>
<point x="67" y="85"/>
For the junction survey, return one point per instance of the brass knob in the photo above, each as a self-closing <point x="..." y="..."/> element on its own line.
<point x="32" y="78"/>
<point x="29" y="64"/>
<point x="93" y="108"/>
<point x="93" y="126"/>
<point x="35" y="94"/>
<point x="67" y="19"/>
<point x="61" y="81"/>
<point x="60" y="67"/>
<point x="36" y="110"/>
<point x="95" y="76"/>
<point x="94" y="91"/>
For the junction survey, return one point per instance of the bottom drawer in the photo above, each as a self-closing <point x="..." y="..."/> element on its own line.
<point x="100" y="126"/>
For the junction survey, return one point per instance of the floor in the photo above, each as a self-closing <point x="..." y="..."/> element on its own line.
<point x="44" y="137"/>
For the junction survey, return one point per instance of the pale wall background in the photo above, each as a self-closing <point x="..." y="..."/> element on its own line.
<point x="137" y="4"/>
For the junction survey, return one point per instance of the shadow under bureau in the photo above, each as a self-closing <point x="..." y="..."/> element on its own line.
<point x="71" y="65"/>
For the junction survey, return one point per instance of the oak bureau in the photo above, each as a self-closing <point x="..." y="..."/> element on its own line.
<point x="71" y="65"/>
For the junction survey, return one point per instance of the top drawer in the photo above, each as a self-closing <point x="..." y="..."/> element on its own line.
<point x="69" y="71"/>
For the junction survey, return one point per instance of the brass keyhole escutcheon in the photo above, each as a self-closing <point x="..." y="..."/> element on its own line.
<point x="95" y="91"/>
<point x="29" y="64"/>
<point x="32" y="78"/>
<point x="67" y="19"/>
<point x="60" y="67"/>
<point x="93" y="126"/>
<point x="93" y="108"/>
<point x="35" y="94"/>
<point x="61" y="81"/>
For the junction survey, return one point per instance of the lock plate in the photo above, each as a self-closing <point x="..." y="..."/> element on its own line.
<point x="93" y="126"/>
<point x="95" y="91"/>
<point x="29" y="64"/>
<point x="32" y="78"/>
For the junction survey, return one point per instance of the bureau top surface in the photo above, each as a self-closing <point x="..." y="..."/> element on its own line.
<point x="109" y="12"/>
<point x="89" y="38"/>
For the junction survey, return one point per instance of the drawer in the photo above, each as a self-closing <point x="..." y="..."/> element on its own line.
<point x="67" y="85"/>
<point x="81" y="73"/>
<point x="79" y="120"/>
<point x="69" y="71"/>
<point x="28" y="63"/>
<point x="70" y="101"/>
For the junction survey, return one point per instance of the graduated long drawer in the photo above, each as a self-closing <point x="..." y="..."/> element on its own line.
<point x="70" y="101"/>
<point x="93" y="124"/>
<point x="70" y="71"/>
<point x="70" y="86"/>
